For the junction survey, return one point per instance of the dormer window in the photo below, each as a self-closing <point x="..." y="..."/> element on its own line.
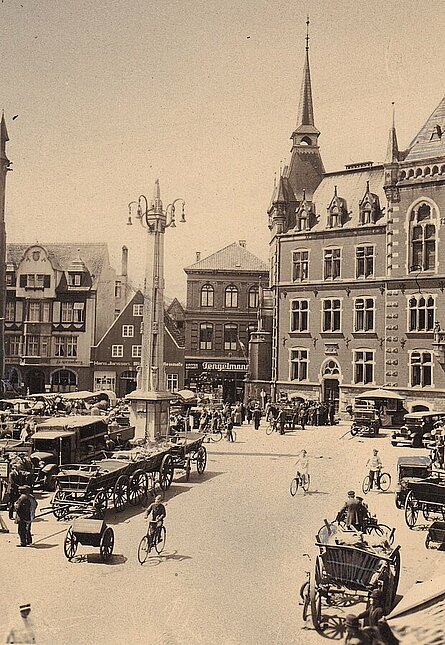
<point x="303" y="214"/>
<point x="74" y="279"/>
<point x="334" y="217"/>
<point x="336" y="211"/>
<point x="369" y="207"/>
<point x="423" y="238"/>
<point x="302" y="221"/>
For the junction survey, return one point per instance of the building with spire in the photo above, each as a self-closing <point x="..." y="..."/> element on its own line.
<point x="357" y="270"/>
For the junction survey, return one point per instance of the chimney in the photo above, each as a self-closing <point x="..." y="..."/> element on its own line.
<point x="124" y="260"/>
<point x="242" y="243"/>
<point x="198" y="256"/>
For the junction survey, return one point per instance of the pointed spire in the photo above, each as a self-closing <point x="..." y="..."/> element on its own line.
<point x="392" y="152"/>
<point x="157" y="203"/>
<point x="306" y="109"/>
<point x="3" y="137"/>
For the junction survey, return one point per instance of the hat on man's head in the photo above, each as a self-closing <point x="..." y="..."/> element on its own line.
<point x="351" y="620"/>
<point x="351" y="493"/>
<point x="25" y="607"/>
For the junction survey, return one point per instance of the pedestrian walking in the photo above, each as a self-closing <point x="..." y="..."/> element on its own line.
<point x="25" y="508"/>
<point x="229" y="430"/>
<point x="256" y="418"/>
<point x="23" y="631"/>
<point x="281" y="421"/>
<point x="16" y="480"/>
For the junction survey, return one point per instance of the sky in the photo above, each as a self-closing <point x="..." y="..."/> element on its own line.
<point x="202" y="95"/>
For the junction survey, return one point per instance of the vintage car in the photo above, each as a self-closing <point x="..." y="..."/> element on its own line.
<point x="409" y="470"/>
<point x="416" y="425"/>
<point x="366" y="418"/>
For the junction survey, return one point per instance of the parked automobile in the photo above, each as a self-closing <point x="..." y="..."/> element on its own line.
<point x="410" y="469"/>
<point x="415" y="426"/>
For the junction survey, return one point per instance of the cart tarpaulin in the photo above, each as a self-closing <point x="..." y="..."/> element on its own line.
<point x="420" y="616"/>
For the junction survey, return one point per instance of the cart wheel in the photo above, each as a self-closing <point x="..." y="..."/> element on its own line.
<point x="70" y="544"/>
<point x="294" y="486"/>
<point x="306" y="483"/>
<point x="201" y="460"/>
<point x="411" y="510"/>
<point x="106" y="544"/>
<point x="59" y="509"/>
<point x="354" y="430"/>
<point x="160" y="540"/>
<point x="100" y="504"/>
<point x="120" y="493"/>
<point x="166" y="472"/>
<point x="366" y="486"/>
<point x="315" y="599"/>
<point x="396" y="579"/>
<point x="216" y="436"/>
<point x="143" y="549"/>
<point x="137" y="487"/>
<point x="385" y="482"/>
<point x="427" y="540"/>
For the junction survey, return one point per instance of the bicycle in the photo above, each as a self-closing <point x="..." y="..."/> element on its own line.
<point x="272" y="427"/>
<point x="154" y="539"/>
<point x="300" y="480"/>
<point x="305" y="592"/>
<point x="384" y="482"/>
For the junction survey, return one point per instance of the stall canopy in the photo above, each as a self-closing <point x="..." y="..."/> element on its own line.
<point x="186" y="395"/>
<point x="379" y="394"/>
<point x="420" y="615"/>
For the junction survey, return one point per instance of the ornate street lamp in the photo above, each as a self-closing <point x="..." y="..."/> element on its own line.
<point x="150" y="402"/>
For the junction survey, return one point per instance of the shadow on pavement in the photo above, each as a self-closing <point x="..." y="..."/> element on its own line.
<point x="43" y="546"/>
<point x="154" y="560"/>
<point x="94" y="558"/>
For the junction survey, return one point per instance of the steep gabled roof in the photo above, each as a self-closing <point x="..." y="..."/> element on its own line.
<point x="430" y="141"/>
<point x="231" y="258"/>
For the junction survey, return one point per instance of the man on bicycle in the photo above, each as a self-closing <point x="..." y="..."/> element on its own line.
<point x="156" y="512"/>
<point x="375" y="467"/>
<point x="302" y="465"/>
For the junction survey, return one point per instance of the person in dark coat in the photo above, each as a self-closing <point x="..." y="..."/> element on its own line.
<point x="351" y="510"/>
<point x="256" y="418"/>
<point x="16" y="480"/>
<point x="25" y="509"/>
<point x="281" y="421"/>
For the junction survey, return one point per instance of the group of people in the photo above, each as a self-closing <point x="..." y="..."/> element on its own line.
<point x="303" y="413"/>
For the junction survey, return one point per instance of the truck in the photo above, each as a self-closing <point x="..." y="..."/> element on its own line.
<point x="70" y="440"/>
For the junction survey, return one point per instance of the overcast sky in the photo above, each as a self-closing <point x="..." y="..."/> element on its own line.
<point x="203" y="95"/>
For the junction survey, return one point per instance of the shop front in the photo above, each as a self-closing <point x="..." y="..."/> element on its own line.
<point x="224" y="379"/>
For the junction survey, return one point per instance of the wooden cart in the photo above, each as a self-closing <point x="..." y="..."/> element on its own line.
<point x="436" y="535"/>
<point x="186" y="450"/>
<point x="428" y="497"/>
<point x="89" y="532"/>
<point x="89" y="488"/>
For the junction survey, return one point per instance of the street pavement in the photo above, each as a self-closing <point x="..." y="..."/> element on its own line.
<point x="234" y="558"/>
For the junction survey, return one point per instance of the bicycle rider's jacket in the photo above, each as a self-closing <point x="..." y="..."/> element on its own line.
<point x="157" y="512"/>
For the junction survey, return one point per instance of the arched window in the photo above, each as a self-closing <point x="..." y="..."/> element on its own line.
<point x="63" y="381"/>
<point x="423" y="238"/>
<point x="331" y="369"/>
<point x="231" y="300"/>
<point x="253" y="297"/>
<point x="207" y="295"/>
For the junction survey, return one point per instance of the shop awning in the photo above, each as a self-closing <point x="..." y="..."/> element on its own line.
<point x="380" y="394"/>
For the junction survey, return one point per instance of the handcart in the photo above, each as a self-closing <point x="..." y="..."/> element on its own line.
<point x="89" y="532"/>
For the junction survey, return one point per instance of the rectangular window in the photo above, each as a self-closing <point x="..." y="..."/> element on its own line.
<point x="10" y="311"/>
<point x="421" y="313"/>
<point x="71" y="347"/>
<point x="67" y="312"/>
<point x="34" y="312"/>
<point x="364" y="260"/>
<point x="127" y="331"/>
<point x="32" y="346"/>
<point x="331" y="315"/>
<point x="9" y="279"/>
<point x="299" y="319"/>
<point x="172" y="382"/>
<point x="118" y="289"/>
<point x="40" y="281"/>
<point x="364" y="314"/>
<point x="205" y="336"/>
<point x="332" y="264"/>
<point x="421" y="368"/>
<point x="45" y="346"/>
<point x="230" y="335"/>
<point x="78" y="309"/>
<point x="299" y="359"/>
<point x="74" y="279"/>
<point x="138" y="310"/>
<point x="15" y="345"/>
<point x="59" y="346"/>
<point x="300" y="266"/>
<point x="117" y="351"/>
<point x="136" y="351"/>
<point x="45" y="312"/>
<point x="363" y="367"/>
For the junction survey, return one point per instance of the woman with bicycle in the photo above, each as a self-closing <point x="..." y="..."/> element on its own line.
<point x="302" y="465"/>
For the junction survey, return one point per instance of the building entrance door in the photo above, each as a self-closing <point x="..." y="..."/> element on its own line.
<point x="35" y="381"/>
<point x="331" y="391"/>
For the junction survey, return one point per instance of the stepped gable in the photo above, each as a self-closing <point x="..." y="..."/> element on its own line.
<point x="62" y="256"/>
<point x="231" y="258"/>
<point x="430" y="141"/>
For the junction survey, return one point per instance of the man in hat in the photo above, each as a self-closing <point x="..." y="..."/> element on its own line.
<point x="24" y="631"/>
<point x="375" y="468"/>
<point x="156" y="512"/>
<point x="25" y="508"/>
<point x="351" y="510"/>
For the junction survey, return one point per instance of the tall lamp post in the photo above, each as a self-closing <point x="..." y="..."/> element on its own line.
<point x="150" y="401"/>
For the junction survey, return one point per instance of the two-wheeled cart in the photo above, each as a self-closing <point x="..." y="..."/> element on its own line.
<point x="89" y="532"/>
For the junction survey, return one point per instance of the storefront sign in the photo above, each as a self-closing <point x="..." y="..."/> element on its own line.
<point x="217" y="366"/>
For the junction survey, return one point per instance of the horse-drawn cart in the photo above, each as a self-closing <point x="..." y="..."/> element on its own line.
<point x="187" y="449"/>
<point x="427" y="496"/>
<point x="123" y="479"/>
<point x="355" y="570"/>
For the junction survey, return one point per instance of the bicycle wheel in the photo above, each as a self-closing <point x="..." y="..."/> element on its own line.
<point x="144" y="549"/>
<point x="269" y="429"/>
<point x="385" y="481"/>
<point x="294" y="486"/>
<point x="366" y="486"/>
<point x="306" y="481"/>
<point x="160" y="540"/>
<point x="304" y="593"/>
<point x="216" y="436"/>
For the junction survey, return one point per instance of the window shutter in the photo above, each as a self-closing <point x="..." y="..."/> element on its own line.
<point x="23" y="280"/>
<point x="56" y="312"/>
<point x="47" y="281"/>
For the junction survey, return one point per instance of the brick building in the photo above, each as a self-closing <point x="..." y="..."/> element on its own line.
<point x="357" y="268"/>
<point x="116" y="357"/>
<point x="221" y="314"/>
<point x="57" y="305"/>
